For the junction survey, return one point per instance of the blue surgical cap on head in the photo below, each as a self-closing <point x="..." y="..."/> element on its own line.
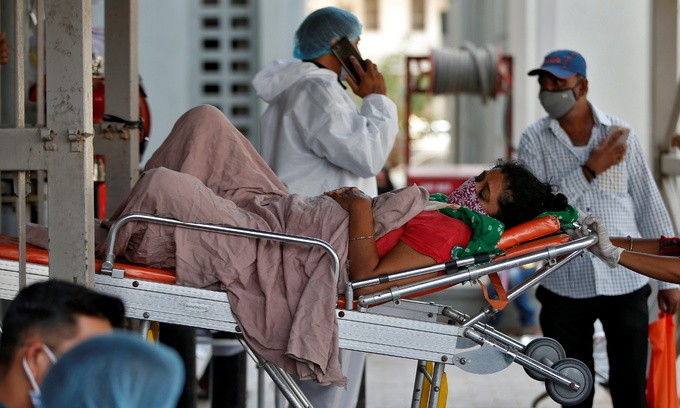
<point x="323" y="28"/>
<point x="119" y="370"/>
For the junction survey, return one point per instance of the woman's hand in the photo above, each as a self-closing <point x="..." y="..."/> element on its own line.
<point x="349" y="197"/>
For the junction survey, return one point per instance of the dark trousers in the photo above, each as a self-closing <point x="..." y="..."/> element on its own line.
<point x="625" y="322"/>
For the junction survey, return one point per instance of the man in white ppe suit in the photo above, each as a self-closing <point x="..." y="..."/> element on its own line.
<point x="312" y="134"/>
<point x="316" y="139"/>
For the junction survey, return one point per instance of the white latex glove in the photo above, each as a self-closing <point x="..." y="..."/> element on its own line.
<point x="604" y="249"/>
<point x="577" y="232"/>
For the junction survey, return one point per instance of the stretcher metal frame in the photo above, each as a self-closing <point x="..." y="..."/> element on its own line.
<point x="383" y="323"/>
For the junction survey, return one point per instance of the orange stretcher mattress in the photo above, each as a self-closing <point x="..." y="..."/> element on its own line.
<point x="9" y="249"/>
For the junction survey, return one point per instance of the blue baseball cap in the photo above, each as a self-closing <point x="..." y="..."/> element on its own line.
<point x="563" y="64"/>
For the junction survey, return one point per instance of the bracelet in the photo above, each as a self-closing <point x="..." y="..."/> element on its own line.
<point x="630" y="243"/>
<point x="589" y="170"/>
<point x="363" y="237"/>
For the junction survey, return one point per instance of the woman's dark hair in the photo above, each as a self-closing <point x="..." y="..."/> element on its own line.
<point x="525" y="195"/>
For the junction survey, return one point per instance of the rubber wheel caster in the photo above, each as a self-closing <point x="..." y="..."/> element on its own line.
<point x="544" y="350"/>
<point x="578" y="373"/>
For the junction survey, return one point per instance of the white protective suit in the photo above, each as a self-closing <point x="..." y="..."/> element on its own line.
<point x="315" y="139"/>
<point x="312" y="134"/>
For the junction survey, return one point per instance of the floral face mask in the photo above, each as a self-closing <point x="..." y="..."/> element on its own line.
<point x="466" y="196"/>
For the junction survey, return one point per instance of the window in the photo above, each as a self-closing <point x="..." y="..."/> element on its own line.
<point x="211" y="22"/>
<point x="211" y="44"/>
<point x="240" y="22"/>
<point x="240" y="66"/>
<point x="371" y="20"/>
<point x="211" y="66"/>
<point x="211" y="89"/>
<point x="240" y="89"/>
<point x="240" y="44"/>
<point x="417" y="14"/>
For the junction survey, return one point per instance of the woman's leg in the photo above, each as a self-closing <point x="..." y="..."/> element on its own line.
<point x="205" y="144"/>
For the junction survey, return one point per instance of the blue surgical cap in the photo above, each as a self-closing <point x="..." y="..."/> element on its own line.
<point x="323" y="28"/>
<point x="119" y="370"/>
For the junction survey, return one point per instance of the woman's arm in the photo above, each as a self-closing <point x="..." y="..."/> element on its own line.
<point x="364" y="261"/>
<point x="643" y="258"/>
<point x="664" y="268"/>
<point x="644" y="245"/>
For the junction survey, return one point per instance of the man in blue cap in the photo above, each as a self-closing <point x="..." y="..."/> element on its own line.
<point x="585" y="152"/>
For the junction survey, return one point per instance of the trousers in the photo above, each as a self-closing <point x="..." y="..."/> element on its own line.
<point x="625" y="324"/>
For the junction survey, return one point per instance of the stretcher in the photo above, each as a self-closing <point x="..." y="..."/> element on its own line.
<point x="388" y="322"/>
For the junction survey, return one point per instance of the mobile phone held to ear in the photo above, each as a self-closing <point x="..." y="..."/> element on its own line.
<point x="343" y="49"/>
<point x="624" y="137"/>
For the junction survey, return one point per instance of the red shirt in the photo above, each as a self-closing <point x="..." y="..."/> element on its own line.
<point x="430" y="233"/>
<point x="669" y="246"/>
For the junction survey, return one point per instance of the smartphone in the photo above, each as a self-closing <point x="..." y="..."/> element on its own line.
<point x="343" y="49"/>
<point x="624" y="137"/>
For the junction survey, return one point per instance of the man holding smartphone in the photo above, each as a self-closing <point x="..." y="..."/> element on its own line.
<point x="312" y="133"/>
<point x="595" y="159"/>
<point x="316" y="139"/>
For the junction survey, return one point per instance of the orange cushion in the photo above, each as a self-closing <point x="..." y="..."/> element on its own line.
<point x="529" y="230"/>
<point x="9" y="249"/>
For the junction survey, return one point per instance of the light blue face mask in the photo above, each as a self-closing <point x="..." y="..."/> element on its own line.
<point x="34" y="394"/>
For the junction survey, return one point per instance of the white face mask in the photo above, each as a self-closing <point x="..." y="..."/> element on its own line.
<point x="343" y="74"/>
<point x="34" y="394"/>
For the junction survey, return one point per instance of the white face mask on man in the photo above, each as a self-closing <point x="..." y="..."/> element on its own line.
<point x="34" y="394"/>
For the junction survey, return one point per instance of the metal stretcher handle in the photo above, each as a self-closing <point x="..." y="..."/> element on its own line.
<point x="474" y="272"/>
<point x="450" y="267"/>
<point x="107" y="265"/>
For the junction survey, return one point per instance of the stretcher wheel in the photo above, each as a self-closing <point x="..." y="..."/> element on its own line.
<point x="545" y="350"/>
<point x="577" y="372"/>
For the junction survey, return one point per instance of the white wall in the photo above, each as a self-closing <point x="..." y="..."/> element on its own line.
<point x="164" y="49"/>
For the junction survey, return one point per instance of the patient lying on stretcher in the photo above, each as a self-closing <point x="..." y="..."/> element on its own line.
<point x="283" y="294"/>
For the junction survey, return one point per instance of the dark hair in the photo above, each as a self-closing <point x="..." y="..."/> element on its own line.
<point x="525" y="195"/>
<point x="50" y="309"/>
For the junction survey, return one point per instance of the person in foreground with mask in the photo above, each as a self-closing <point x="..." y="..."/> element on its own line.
<point x="45" y="320"/>
<point x="578" y="148"/>
<point x="312" y="134"/>
<point x="117" y="370"/>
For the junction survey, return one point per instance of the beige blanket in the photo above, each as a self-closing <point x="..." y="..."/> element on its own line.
<point x="283" y="295"/>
